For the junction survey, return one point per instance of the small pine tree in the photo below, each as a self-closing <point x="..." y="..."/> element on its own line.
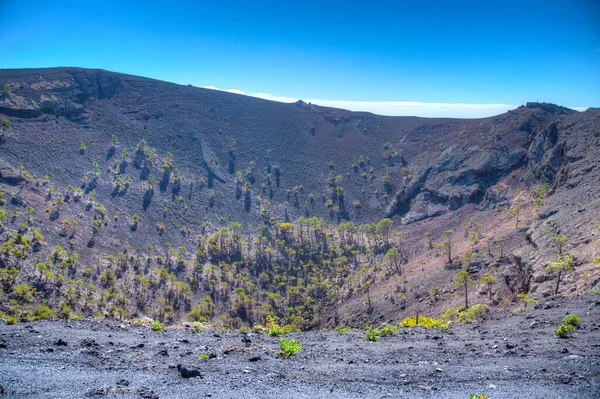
<point x="462" y="280"/>
<point x="561" y="266"/>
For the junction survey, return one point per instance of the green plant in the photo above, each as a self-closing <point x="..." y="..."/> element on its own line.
<point x="6" y="89"/>
<point x="473" y="313"/>
<point x="564" y="331"/>
<point x="386" y="330"/>
<point x="204" y="356"/>
<point x="289" y="347"/>
<point x="372" y="335"/>
<point x="427" y="322"/>
<point x="197" y="328"/>
<point x="477" y="396"/>
<point x="560" y="242"/>
<point x="275" y="330"/>
<point x="341" y="329"/>
<point x="561" y="266"/>
<point x="462" y="280"/>
<point x="5" y="126"/>
<point x="526" y="301"/>
<point x="43" y="312"/>
<point x="11" y="320"/>
<point x="158" y="326"/>
<point x="572" y="320"/>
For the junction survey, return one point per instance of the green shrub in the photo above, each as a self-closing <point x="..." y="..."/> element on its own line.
<point x="526" y="301"/>
<point x="572" y="320"/>
<point x="204" y="356"/>
<point x="441" y="324"/>
<point x="386" y="330"/>
<point x="158" y="326"/>
<point x="43" y="312"/>
<point x="372" y="336"/>
<point x="341" y="329"/>
<point x="473" y="313"/>
<point x="65" y="312"/>
<point x="564" y="331"/>
<point x="275" y="330"/>
<point x="450" y="314"/>
<point x="289" y="347"/>
<point x="11" y="320"/>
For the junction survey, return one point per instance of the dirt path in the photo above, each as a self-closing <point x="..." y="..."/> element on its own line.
<point x="506" y="357"/>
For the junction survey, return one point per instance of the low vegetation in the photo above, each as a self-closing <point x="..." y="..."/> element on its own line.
<point x="571" y="323"/>
<point x="289" y="347"/>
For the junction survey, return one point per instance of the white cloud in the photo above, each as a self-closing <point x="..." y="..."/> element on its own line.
<point x="398" y="108"/>
<point x="580" y="109"/>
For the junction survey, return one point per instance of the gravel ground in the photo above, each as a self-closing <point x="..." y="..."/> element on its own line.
<point x="504" y="357"/>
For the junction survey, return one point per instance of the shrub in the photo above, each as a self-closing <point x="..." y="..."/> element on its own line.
<point x="572" y="320"/>
<point x="275" y="330"/>
<point x="11" y="320"/>
<point x="426" y="322"/>
<point x="43" y="312"/>
<point x="158" y="326"/>
<point x="450" y="314"/>
<point x="473" y="313"/>
<point x="204" y="356"/>
<point x="386" y="330"/>
<point x="289" y="347"/>
<point x="564" y="331"/>
<point x="65" y="312"/>
<point x="526" y="301"/>
<point x="372" y="336"/>
<point x="341" y="329"/>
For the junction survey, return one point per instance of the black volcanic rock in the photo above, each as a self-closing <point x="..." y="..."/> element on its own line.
<point x="188" y="373"/>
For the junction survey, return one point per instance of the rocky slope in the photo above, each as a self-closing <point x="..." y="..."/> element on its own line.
<point x="171" y="164"/>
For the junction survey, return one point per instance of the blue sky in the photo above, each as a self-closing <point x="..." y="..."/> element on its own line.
<point x="361" y="54"/>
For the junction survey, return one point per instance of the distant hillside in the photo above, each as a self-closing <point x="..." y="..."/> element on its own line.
<point x="127" y="196"/>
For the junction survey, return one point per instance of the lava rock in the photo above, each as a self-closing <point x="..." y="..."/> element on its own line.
<point x="254" y="358"/>
<point x="61" y="342"/>
<point x="147" y="393"/>
<point x="188" y="373"/>
<point x="97" y="391"/>
<point x="163" y="353"/>
<point x="89" y="342"/>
